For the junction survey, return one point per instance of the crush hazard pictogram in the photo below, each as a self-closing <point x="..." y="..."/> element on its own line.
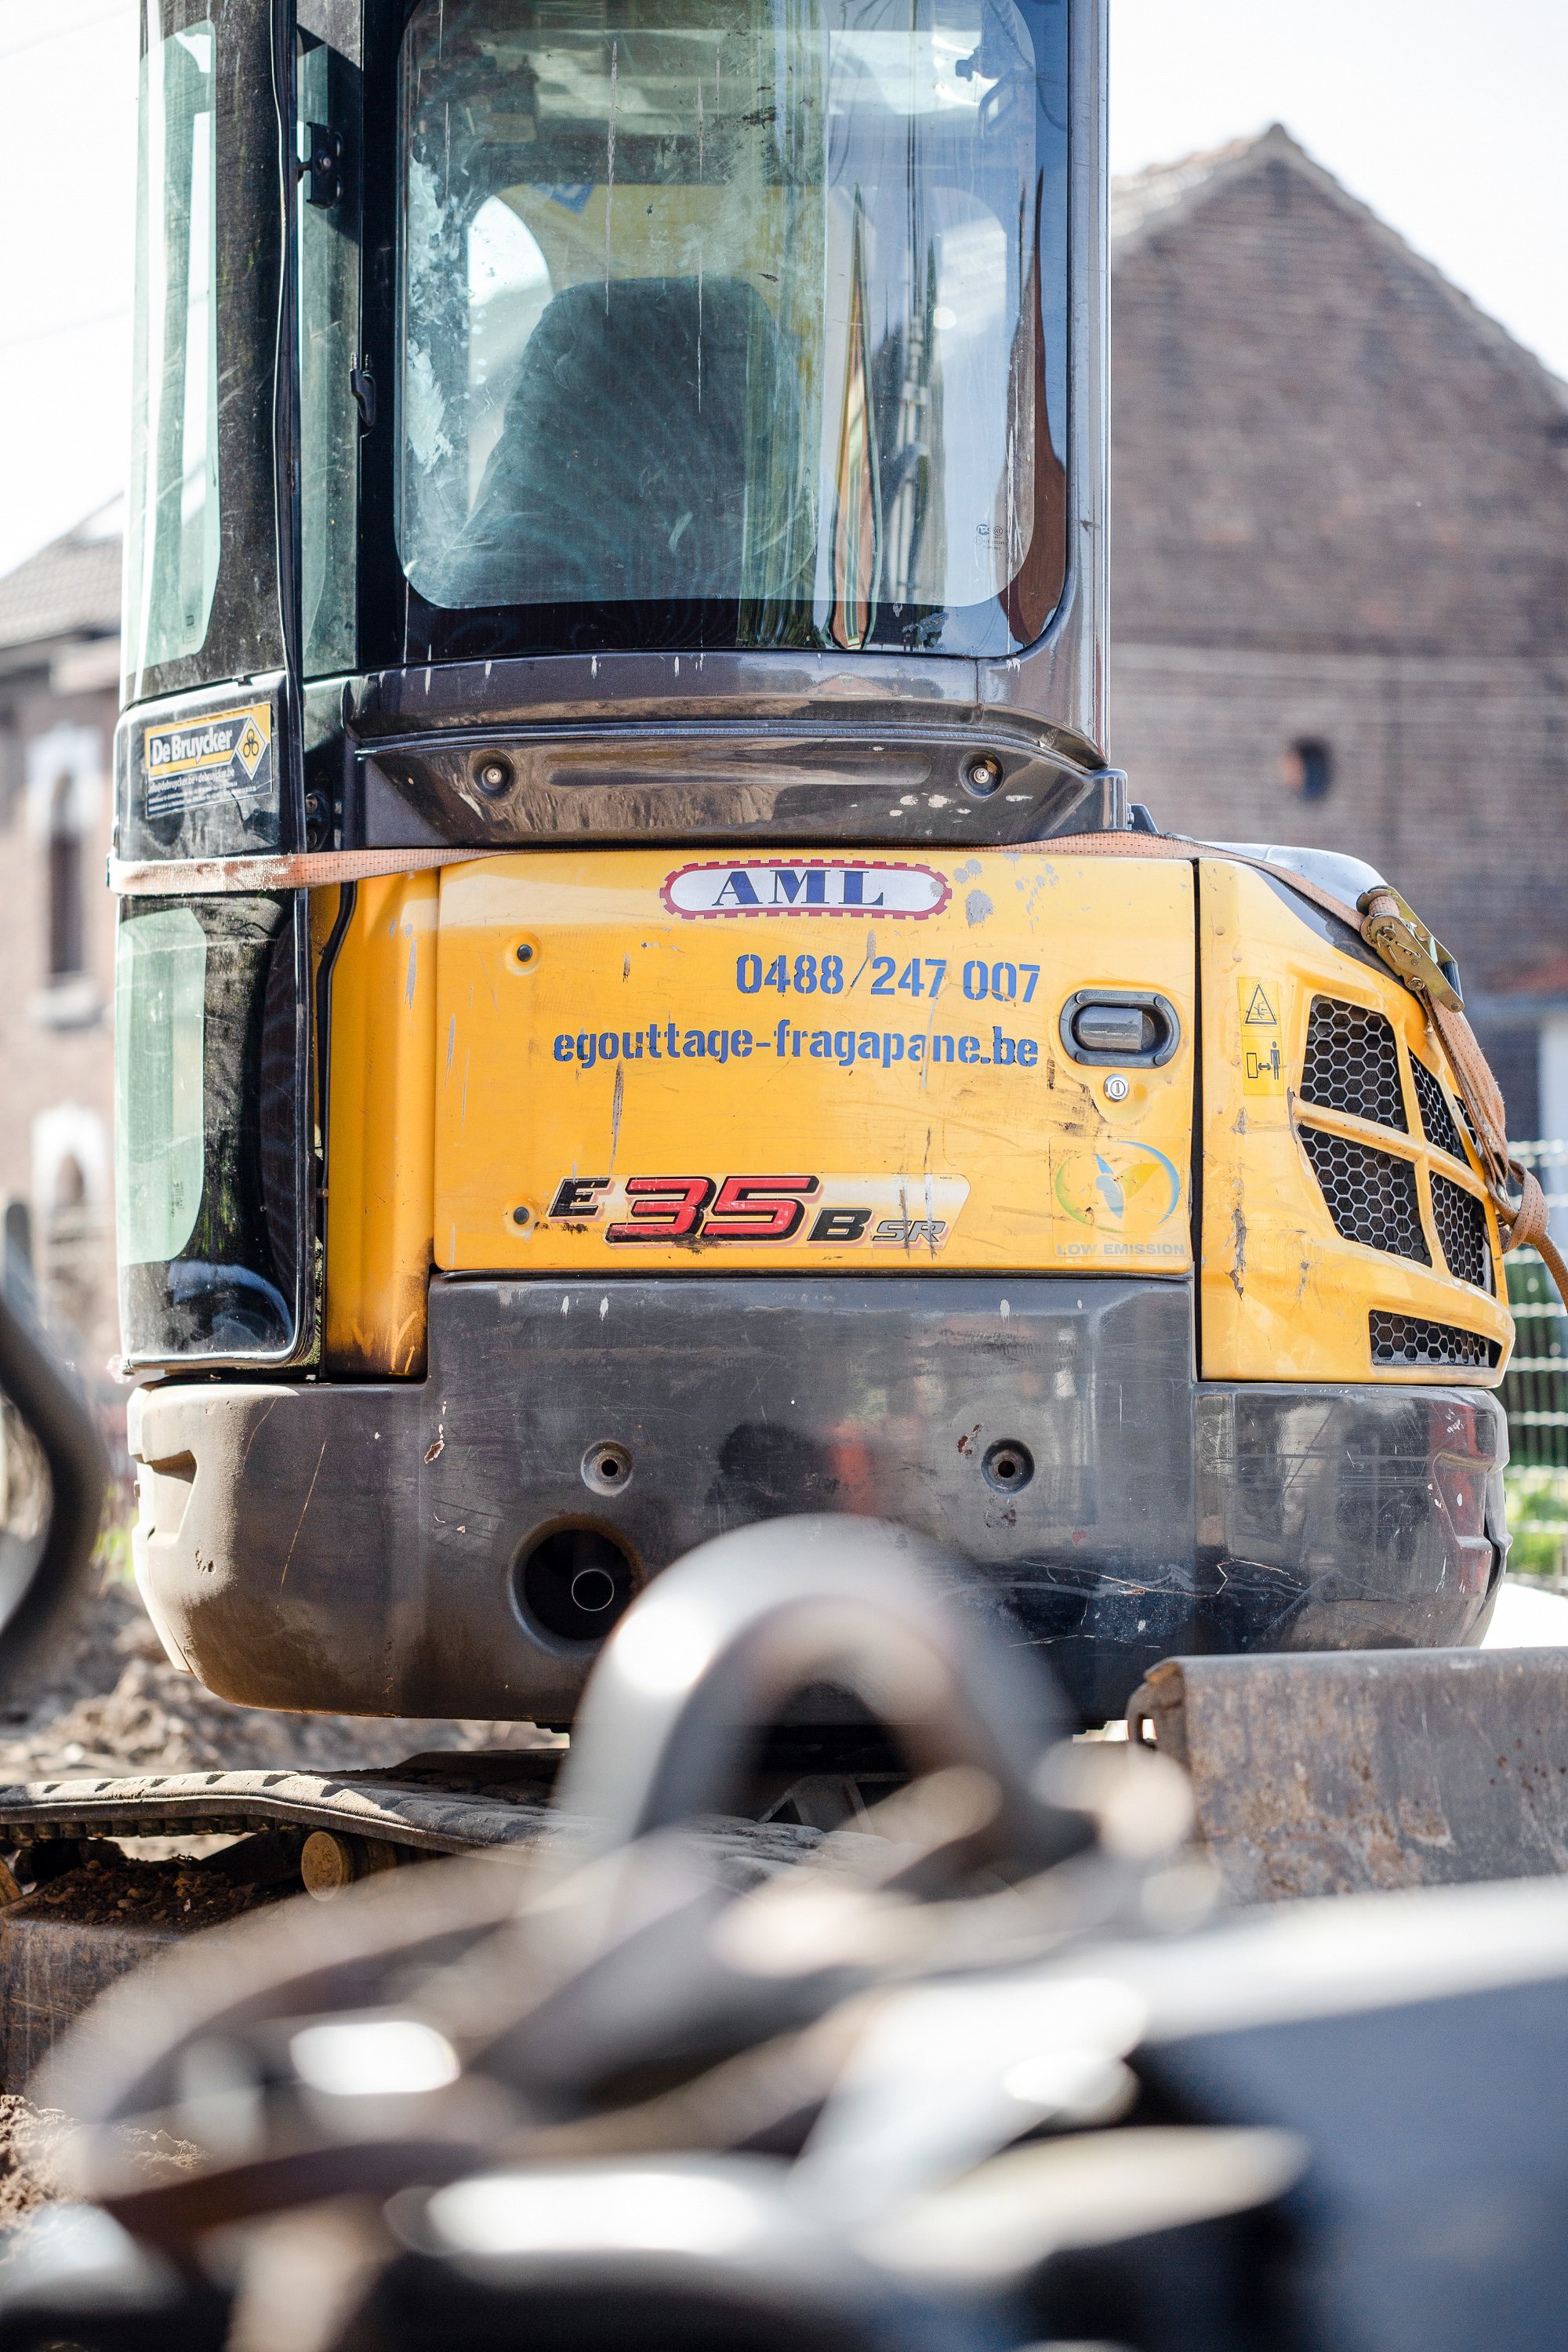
<point x="251" y="747"/>
<point x="1262" y="1053"/>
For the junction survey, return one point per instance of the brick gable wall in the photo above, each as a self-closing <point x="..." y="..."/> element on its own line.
<point x="1339" y="514"/>
<point x="1317" y="445"/>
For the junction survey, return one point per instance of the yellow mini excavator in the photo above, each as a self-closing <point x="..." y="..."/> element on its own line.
<point x="641" y="1005"/>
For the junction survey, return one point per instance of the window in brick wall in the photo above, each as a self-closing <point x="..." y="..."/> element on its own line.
<point x="1308" y="769"/>
<point x="65" y="931"/>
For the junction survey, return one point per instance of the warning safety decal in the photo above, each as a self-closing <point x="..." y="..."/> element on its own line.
<point x="220" y="754"/>
<point x="1262" y="1059"/>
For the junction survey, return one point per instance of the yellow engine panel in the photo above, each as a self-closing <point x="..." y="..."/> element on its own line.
<point x="381" y="1106"/>
<point x="646" y="1061"/>
<point x="1285" y="1295"/>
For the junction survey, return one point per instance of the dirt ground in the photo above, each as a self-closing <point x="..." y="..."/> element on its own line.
<point x="31" y="2144"/>
<point x="110" y="1702"/>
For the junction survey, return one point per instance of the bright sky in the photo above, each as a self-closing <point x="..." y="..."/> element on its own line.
<point x="1446" y="118"/>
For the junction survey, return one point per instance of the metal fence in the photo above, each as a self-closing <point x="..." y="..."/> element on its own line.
<point x="1535" y="1394"/>
<point x="1535" y="1389"/>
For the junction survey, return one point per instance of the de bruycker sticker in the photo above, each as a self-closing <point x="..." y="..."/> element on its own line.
<point x="220" y="755"/>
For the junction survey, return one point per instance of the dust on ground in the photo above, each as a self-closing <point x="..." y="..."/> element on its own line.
<point x="109" y="1702"/>
<point x="32" y="2151"/>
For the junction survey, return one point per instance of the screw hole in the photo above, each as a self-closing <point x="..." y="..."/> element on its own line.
<point x="1008" y="1465"/>
<point x="982" y="776"/>
<point x="523" y="952"/>
<point x="606" y="1468"/>
<point x="493" y="777"/>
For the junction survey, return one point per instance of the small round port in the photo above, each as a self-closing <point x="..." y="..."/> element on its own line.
<point x="574" y="1583"/>
<point x="606" y="1468"/>
<point x="493" y="775"/>
<point x="1008" y="1465"/>
<point x="983" y="775"/>
<point x="593" y="1590"/>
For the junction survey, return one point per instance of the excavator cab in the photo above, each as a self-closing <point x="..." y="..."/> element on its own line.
<point x="642" y="1007"/>
<point x="733" y="316"/>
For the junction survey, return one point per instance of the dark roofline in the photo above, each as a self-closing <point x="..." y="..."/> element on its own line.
<point x="64" y="592"/>
<point x="1166" y="194"/>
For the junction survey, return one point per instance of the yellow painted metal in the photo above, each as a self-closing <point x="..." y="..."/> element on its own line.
<point x="651" y="1063"/>
<point x="1283" y="1297"/>
<point x="381" y="1114"/>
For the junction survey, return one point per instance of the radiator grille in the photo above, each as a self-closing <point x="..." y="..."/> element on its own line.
<point x="1353" y="1063"/>
<point x="1411" y="1339"/>
<point x="1436" y="1118"/>
<point x="1461" y="1224"/>
<point x="1371" y="1194"/>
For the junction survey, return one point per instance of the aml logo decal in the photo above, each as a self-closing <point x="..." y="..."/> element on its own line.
<point x="806" y="886"/>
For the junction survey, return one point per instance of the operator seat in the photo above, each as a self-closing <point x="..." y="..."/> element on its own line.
<point x="641" y="410"/>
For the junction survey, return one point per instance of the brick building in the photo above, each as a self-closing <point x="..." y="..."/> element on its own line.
<point x="60" y="659"/>
<point x="1340" y="570"/>
<point x="1340" y="616"/>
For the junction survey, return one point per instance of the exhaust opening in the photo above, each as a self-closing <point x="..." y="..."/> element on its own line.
<point x="574" y="1583"/>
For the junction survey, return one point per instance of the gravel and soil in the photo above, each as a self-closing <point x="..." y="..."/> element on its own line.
<point x="31" y="2142"/>
<point x="110" y="1702"/>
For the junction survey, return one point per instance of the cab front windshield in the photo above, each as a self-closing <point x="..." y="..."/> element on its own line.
<point x="750" y="309"/>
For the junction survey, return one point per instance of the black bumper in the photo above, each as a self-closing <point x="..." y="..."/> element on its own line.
<point x="358" y="1547"/>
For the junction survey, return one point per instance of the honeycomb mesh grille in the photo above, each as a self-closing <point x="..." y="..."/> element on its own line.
<point x="1461" y="1224"/>
<point x="1353" y="1063"/>
<point x="1436" y="1118"/>
<point x="1410" y="1340"/>
<point x="1371" y="1194"/>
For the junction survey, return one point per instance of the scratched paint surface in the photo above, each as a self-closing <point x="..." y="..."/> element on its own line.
<point x="1285" y="1296"/>
<point x="804" y="1062"/>
<point x="381" y="1096"/>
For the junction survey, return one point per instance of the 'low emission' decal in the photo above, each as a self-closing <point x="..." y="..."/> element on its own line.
<point x="804" y="886"/>
<point x="1118" y="1187"/>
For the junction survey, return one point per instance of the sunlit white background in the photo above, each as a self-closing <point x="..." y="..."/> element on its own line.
<point x="1446" y="117"/>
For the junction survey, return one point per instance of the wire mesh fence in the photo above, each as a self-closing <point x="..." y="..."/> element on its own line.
<point x="1535" y="1389"/>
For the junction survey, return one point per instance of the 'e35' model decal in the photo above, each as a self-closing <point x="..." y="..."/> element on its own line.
<point x="834" y="1211"/>
<point x="805" y="886"/>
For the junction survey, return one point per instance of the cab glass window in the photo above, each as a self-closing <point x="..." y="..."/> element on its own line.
<point x="213" y="1219"/>
<point x="173" y="540"/>
<point x="749" y="308"/>
<point x="327" y="102"/>
<point x="161" y="992"/>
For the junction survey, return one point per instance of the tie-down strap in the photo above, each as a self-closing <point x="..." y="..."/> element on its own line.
<point x="1380" y="917"/>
